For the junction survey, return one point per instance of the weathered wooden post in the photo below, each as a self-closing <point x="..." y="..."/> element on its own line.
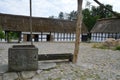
<point x="78" y="31"/>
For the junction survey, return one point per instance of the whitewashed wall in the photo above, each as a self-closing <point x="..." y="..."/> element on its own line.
<point x="101" y="37"/>
<point x="56" y="36"/>
<point x="65" y="37"/>
<point x="3" y="40"/>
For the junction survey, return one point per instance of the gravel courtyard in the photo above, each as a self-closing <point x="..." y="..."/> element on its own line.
<point x="92" y="64"/>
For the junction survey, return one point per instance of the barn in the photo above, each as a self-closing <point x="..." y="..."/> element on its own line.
<point x="43" y="29"/>
<point x="106" y="28"/>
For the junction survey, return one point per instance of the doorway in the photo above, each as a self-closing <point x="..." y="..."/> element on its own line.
<point x="48" y="37"/>
<point x="36" y="37"/>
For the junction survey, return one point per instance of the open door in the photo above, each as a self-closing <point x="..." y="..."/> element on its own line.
<point x="36" y="37"/>
<point x="28" y="37"/>
<point x="48" y="37"/>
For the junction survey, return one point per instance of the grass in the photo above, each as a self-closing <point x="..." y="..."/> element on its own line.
<point x="101" y="46"/>
<point x="1" y="49"/>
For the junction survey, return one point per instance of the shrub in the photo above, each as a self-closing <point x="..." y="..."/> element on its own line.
<point x="108" y="44"/>
<point x="100" y="46"/>
<point x="2" y="35"/>
<point x="117" y="48"/>
<point x="96" y="45"/>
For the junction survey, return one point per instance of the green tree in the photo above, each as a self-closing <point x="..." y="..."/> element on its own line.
<point x="61" y="15"/>
<point x="2" y="35"/>
<point x="101" y="12"/>
<point x="13" y="35"/>
<point x="88" y="19"/>
<point x="90" y="16"/>
<point x="72" y="15"/>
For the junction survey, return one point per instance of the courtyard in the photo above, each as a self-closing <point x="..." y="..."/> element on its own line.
<point x="92" y="64"/>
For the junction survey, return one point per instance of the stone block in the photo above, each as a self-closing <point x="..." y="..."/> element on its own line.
<point x="23" y="58"/>
<point x="10" y="76"/>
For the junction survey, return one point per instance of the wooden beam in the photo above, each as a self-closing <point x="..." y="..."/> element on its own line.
<point x="62" y="56"/>
<point x="78" y="31"/>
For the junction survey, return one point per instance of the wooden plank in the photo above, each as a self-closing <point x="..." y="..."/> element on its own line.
<point x="62" y="56"/>
<point x="78" y="31"/>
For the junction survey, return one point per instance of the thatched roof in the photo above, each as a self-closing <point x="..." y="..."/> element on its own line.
<point x="21" y="23"/>
<point x="111" y="25"/>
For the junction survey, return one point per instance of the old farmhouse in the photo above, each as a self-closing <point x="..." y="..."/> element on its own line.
<point x="44" y="29"/>
<point x="106" y="28"/>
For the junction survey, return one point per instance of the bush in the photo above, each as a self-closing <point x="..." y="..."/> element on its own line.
<point x="117" y="48"/>
<point x="2" y="35"/>
<point x="96" y="45"/>
<point x="108" y="44"/>
<point x="100" y="46"/>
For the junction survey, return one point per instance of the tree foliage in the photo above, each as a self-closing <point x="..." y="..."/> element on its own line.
<point x="61" y="15"/>
<point x="88" y="19"/>
<point x="72" y="15"/>
<point x="90" y="16"/>
<point x="102" y="12"/>
<point x="2" y="35"/>
<point x="13" y="35"/>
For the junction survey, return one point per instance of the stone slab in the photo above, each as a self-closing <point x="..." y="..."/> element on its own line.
<point x="3" y="68"/>
<point x="10" y="76"/>
<point x="46" y="65"/>
<point x="28" y="74"/>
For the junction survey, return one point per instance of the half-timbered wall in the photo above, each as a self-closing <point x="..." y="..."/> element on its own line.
<point x="101" y="37"/>
<point x="42" y="36"/>
<point x="64" y="36"/>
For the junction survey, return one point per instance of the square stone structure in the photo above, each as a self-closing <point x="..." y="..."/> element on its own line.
<point x="23" y="58"/>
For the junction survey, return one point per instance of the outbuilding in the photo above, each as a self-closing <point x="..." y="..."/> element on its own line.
<point x="106" y="28"/>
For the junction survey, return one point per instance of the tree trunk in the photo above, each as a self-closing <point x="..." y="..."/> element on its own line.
<point x="78" y="31"/>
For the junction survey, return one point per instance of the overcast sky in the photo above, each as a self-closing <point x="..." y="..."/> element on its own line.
<point x="46" y="8"/>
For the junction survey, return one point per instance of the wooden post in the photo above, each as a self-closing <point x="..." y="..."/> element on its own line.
<point x="31" y="22"/>
<point x="78" y="31"/>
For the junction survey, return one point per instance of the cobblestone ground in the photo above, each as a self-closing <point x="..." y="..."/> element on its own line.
<point x="92" y="64"/>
